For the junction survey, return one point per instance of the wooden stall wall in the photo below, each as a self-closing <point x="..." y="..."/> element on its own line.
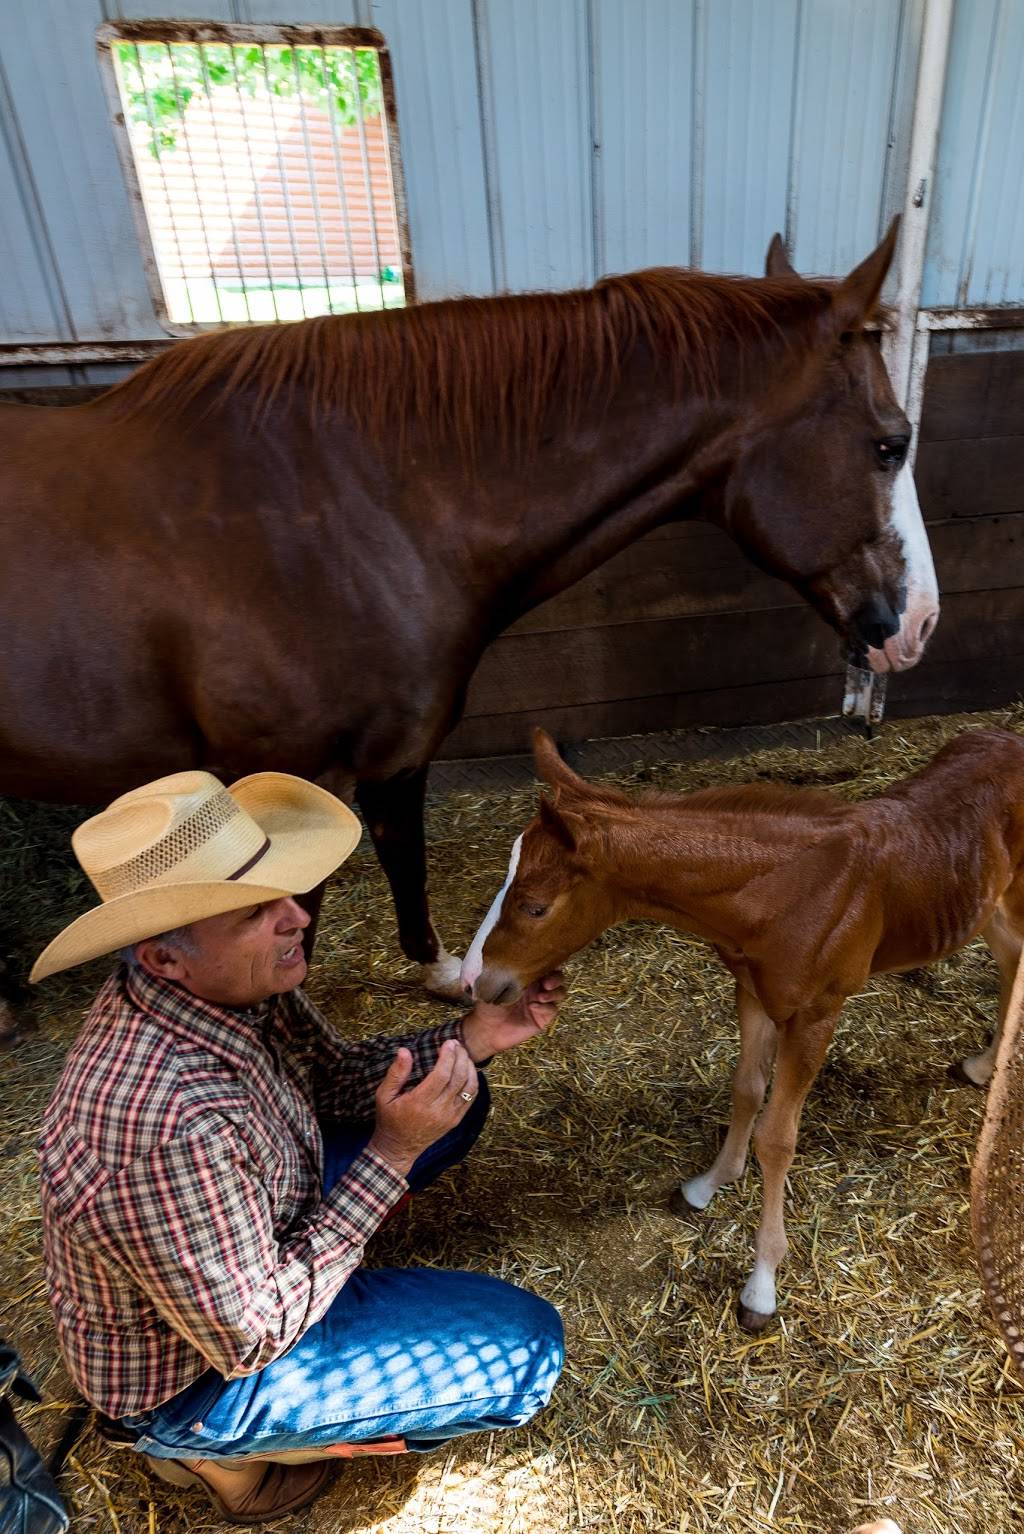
<point x="679" y="630"/>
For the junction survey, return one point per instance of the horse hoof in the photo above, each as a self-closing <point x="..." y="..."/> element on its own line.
<point x="454" y="996"/>
<point x="443" y="978"/>
<point x="753" y="1320"/>
<point x="960" y="1078"/>
<point x="680" y="1205"/>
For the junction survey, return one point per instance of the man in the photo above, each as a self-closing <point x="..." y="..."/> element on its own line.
<point x="204" y="1223"/>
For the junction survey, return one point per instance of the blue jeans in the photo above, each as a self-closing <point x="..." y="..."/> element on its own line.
<point x="417" y="1353"/>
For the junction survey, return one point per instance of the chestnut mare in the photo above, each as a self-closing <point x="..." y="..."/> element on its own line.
<point x="287" y="547"/>
<point x="803" y="897"/>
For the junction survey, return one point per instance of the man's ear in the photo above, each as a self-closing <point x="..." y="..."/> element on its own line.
<point x="160" y="961"/>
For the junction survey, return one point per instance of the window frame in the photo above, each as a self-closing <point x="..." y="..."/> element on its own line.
<point x="299" y="36"/>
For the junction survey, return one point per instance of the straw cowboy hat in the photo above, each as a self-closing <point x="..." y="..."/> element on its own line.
<point x="186" y="847"/>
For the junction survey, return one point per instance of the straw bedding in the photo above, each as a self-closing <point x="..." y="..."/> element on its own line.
<point x="884" y="1389"/>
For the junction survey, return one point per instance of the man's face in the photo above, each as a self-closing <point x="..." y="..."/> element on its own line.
<point x="237" y="959"/>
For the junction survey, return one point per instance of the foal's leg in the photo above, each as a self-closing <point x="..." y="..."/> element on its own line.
<point x="394" y="814"/>
<point x="1004" y="943"/>
<point x="803" y="1044"/>
<point x="758" y="1038"/>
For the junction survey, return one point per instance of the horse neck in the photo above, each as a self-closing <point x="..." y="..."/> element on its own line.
<point x="597" y="485"/>
<point x="691" y="867"/>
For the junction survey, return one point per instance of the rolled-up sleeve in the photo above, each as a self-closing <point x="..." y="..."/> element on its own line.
<point x="192" y="1226"/>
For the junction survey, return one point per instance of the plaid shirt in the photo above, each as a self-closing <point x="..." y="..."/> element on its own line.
<point x="183" y="1215"/>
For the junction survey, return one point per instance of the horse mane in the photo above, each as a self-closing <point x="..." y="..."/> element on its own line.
<point x="469" y="369"/>
<point x="776" y="799"/>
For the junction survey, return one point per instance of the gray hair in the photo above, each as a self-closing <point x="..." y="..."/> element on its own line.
<point x="179" y="938"/>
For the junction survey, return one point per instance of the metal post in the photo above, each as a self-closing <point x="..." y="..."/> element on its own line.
<point x="898" y="345"/>
<point x="905" y="348"/>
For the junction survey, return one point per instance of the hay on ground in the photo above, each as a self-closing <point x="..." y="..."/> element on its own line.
<point x="883" y="1391"/>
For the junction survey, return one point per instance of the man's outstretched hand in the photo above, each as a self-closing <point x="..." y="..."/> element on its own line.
<point x="488" y="1030"/>
<point x="409" y="1122"/>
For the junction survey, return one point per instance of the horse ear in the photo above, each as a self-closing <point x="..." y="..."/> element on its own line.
<point x="550" y="767"/>
<point x="776" y="262"/>
<point x="556" y="824"/>
<point x="854" y="300"/>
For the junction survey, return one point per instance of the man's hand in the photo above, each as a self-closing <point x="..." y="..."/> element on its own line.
<point x="409" y="1122"/>
<point x="488" y="1030"/>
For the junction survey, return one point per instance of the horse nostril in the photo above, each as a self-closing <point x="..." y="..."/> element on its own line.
<point x="874" y="622"/>
<point x="928" y="627"/>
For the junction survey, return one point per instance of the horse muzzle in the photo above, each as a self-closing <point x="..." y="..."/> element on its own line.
<point x="497" y="986"/>
<point x="895" y="644"/>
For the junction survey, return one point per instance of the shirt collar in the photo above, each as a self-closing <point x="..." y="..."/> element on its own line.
<point x="207" y="1022"/>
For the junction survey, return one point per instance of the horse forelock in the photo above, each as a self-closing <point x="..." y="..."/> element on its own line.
<point x="466" y="370"/>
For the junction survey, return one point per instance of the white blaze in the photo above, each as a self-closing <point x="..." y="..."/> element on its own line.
<point x="905" y="647"/>
<point x="473" y="963"/>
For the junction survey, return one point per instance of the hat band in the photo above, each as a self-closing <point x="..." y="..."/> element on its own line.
<point x="252" y="861"/>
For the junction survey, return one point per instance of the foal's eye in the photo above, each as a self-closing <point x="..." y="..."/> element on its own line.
<point x="891" y="452"/>
<point x="533" y="908"/>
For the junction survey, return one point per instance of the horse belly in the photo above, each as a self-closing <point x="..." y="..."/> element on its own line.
<point x="926" y="935"/>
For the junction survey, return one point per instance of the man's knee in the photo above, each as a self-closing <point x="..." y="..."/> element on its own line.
<point x="528" y="1349"/>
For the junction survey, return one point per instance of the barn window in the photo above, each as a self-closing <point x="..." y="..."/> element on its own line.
<point x="264" y="169"/>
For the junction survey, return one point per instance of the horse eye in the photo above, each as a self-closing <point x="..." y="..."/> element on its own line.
<point x="532" y="908"/>
<point x="891" y="452"/>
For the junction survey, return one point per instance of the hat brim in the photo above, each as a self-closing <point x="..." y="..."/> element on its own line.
<point x="310" y="832"/>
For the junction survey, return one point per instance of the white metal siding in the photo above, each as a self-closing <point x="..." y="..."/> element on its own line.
<point x="545" y="142"/>
<point x="976" y="240"/>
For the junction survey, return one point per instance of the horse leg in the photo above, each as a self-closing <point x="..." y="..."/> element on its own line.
<point x="803" y="1044"/>
<point x="394" y="814"/>
<point x="8" y="1024"/>
<point x="17" y="1019"/>
<point x="1004" y="942"/>
<point x="758" y="1038"/>
<point x="311" y="902"/>
<point x="339" y="782"/>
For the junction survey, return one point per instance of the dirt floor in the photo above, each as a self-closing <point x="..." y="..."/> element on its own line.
<point x="883" y="1391"/>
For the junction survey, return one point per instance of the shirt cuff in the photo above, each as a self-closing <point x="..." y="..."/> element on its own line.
<point x="364" y="1195"/>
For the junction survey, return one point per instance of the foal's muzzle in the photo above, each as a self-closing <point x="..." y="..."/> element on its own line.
<point x="498" y="986"/>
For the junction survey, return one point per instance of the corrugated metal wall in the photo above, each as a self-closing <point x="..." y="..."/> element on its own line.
<point x="976" y="244"/>
<point x="548" y="141"/>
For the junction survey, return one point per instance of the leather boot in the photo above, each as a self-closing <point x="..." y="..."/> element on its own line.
<point x="265" y="1491"/>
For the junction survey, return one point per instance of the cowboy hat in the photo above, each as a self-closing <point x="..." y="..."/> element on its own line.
<point x="186" y="847"/>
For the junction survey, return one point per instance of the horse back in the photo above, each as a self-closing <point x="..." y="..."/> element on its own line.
<point x="893" y="882"/>
<point x="951" y="843"/>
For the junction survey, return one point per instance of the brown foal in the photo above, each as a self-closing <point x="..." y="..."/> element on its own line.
<point x="803" y="896"/>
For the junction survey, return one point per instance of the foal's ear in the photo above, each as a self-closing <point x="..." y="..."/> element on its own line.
<point x="557" y="824"/>
<point x="776" y="262"/>
<point x="550" y="767"/>
<point x="854" y="300"/>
